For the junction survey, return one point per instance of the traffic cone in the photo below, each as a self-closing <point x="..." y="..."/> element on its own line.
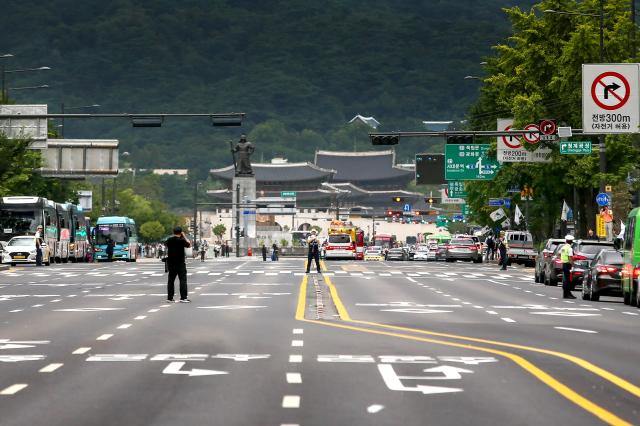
<point x="249" y="252"/>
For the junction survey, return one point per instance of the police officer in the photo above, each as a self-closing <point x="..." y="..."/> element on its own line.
<point x="314" y="250"/>
<point x="566" y="257"/>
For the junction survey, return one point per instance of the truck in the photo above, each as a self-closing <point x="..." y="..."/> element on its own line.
<point x="520" y="248"/>
<point x="345" y="240"/>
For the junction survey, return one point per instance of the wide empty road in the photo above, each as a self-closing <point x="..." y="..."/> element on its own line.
<point x="262" y="343"/>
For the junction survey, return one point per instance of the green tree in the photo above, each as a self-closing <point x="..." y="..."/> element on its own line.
<point x="219" y="230"/>
<point x="152" y="231"/>
<point x="536" y="73"/>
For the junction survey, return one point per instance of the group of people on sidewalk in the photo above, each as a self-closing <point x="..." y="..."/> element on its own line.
<point x="497" y="247"/>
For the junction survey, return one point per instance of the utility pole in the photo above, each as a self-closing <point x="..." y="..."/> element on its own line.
<point x="113" y="196"/>
<point x="195" y="211"/>
<point x="237" y="220"/>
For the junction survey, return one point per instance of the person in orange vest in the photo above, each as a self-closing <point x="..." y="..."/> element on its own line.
<point x="607" y="217"/>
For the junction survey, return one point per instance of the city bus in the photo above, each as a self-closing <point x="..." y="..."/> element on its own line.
<point x="122" y="232"/>
<point x="21" y="215"/>
<point x="79" y="234"/>
<point x="631" y="259"/>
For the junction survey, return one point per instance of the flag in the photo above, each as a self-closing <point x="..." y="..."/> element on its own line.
<point x="565" y="211"/>
<point x="518" y="215"/>
<point x="506" y="223"/>
<point x="622" y="229"/>
<point x="497" y="215"/>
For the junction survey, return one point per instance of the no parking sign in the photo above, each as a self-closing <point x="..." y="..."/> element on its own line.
<point x="610" y="101"/>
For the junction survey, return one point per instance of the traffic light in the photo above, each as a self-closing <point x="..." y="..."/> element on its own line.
<point x="384" y="139"/>
<point x="398" y="199"/>
<point x="460" y="139"/>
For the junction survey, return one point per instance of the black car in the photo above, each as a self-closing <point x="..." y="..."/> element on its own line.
<point x="398" y="253"/>
<point x="545" y="256"/>
<point x="584" y="251"/>
<point x="604" y="276"/>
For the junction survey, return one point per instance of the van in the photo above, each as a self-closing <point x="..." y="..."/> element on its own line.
<point x="520" y="247"/>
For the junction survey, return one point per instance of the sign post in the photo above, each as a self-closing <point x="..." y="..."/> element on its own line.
<point x="511" y="149"/>
<point x="610" y="100"/>
<point x="575" y="147"/>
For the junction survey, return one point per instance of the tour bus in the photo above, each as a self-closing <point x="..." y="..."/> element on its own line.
<point x="79" y="234"/>
<point x="64" y="234"/>
<point x="631" y="256"/>
<point x="121" y="231"/>
<point x="386" y="241"/>
<point x="21" y="215"/>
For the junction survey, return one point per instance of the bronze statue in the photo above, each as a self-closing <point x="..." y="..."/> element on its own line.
<point x="242" y="163"/>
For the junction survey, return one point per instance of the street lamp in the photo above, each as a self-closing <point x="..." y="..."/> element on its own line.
<point x="5" y="72"/>
<point x="602" y="153"/>
<point x="63" y="109"/>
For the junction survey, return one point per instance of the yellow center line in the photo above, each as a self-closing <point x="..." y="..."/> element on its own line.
<point x="540" y="374"/>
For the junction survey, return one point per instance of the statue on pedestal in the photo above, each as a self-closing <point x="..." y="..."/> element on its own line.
<point x="241" y="153"/>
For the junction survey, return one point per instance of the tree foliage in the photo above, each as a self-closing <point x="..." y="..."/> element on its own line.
<point x="152" y="231"/>
<point x="219" y="230"/>
<point x="535" y="73"/>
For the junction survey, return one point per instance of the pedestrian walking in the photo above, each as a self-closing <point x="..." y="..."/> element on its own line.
<point x="110" y="245"/>
<point x="39" y="241"/>
<point x="607" y="217"/>
<point x="203" y="251"/>
<point x="227" y="249"/>
<point x="502" y="251"/>
<point x="314" y="250"/>
<point x="216" y="250"/>
<point x="274" y="252"/>
<point x="566" y="257"/>
<point x="176" y="264"/>
<point x="264" y="253"/>
<point x="491" y="247"/>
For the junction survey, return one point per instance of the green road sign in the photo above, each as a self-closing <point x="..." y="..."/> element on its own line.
<point x="455" y="189"/>
<point x="466" y="210"/>
<point x="575" y="147"/>
<point x="288" y="194"/>
<point x="469" y="162"/>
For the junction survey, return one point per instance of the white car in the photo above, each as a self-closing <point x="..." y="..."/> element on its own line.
<point x="425" y="252"/>
<point x="23" y="250"/>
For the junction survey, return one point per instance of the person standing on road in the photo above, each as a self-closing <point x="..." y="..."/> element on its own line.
<point x="314" y="250"/>
<point x="607" y="217"/>
<point x="39" y="241"/>
<point x="176" y="264"/>
<point x="264" y="253"/>
<point x="203" y="251"/>
<point x="502" y="250"/>
<point x="566" y="257"/>
<point x="110" y="250"/>
<point x="274" y="253"/>
<point x="491" y="247"/>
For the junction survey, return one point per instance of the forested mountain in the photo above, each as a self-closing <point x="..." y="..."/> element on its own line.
<point x="299" y="69"/>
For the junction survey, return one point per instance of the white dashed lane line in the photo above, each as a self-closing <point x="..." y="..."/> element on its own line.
<point x="295" y="359"/>
<point x="13" y="389"/>
<point x="294" y="378"/>
<point x="297" y="343"/>
<point x="507" y="320"/>
<point x="580" y="330"/>
<point x="104" y="337"/>
<point x="50" y="368"/>
<point x="124" y="326"/>
<point x="291" y="401"/>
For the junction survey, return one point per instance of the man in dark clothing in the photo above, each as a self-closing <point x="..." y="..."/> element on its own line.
<point x="502" y="249"/>
<point x="274" y="253"/>
<point x="110" y="250"/>
<point x="314" y="251"/>
<point x="592" y="236"/>
<point x="264" y="253"/>
<point x="176" y="264"/>
<point x="491" y="247"/>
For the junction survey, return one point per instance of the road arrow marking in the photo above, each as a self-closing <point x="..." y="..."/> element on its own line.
<point x="448" y="372"/>
<point x="175" y="368"/>
<point x="393" y="382"/>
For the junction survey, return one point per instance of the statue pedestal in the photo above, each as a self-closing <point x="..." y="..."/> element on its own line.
<point x="244" y="192"/>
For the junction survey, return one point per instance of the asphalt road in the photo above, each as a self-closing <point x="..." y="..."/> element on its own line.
<point x="262" y="343"/>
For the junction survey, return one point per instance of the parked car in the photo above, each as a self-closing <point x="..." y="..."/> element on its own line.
<point x="398" y="253"/>
<point x="553" y="267"/>
<point x="584" y="251"/>
<point x="441" y="251"/>
<point x="374" y="253"/>
<point x="604" y="276"/>
<point x="23" y="250"/>
<point x="545" y="256"/>
<point x="463" y="249"/>
<point x="520" y="248"/>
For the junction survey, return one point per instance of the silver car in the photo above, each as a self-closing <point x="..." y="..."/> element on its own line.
<point x="463" y="249"/>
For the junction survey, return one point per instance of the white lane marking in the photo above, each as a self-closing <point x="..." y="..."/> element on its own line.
<point x="580" y="330"/>
<point x="492" y="312"/>
<point x="124" y="326"/>
<point x="478" y="307"/>
<point x="81" y="351"/>
<point x="507" y="319"/>
<point x="294" y="378"/>
<point x="607" y="309"/>
<point x="13" y="389"/>
<point x="56" y="300"/>
<point x="153" y="310"/>
<point x="539" y="294"/>
<point x="297" y="343"/>
<point x="411" y="279"/>
<point x="298" y="331"/>
<point x="16" y="310"/>
<point x="295" y="358"/>
<point x="104" y="337"/>
<point x="140" y="317"/>
<point x="375" y="408"/>
<point x="630" y="313"/>
<point x="50" y="368"/>
<point x="37" y="306"/>
<point x="291" y="401"/>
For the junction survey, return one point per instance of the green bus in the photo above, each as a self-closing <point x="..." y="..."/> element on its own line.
<point x="631" y="256"/>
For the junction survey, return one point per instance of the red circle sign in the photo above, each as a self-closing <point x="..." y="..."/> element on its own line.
<point x="532" y="138"/>
<point x="547" y="127"/>
<point x="606" y="93"/>
<point x="513" y="141"/>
